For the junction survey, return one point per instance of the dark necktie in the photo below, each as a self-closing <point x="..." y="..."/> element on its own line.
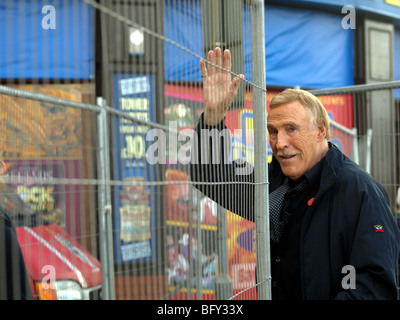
<point x="278" y="218"/>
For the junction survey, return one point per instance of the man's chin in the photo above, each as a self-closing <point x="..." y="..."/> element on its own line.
<point x="291" y="173"/>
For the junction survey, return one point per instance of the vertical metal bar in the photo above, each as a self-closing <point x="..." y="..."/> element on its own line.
<point x="356" y="157"/>
<point x="105" y="209"/>
<point x="199" y="250"/>
<point x="190" y="258"/>
<point x="261" y="205"/>
<point x="223" y="283"/>
<point x="368" y="151"/>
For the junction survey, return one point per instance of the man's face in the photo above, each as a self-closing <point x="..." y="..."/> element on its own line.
<point x="296" y="144"/>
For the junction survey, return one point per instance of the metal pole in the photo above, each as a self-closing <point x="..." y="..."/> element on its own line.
<point x="190" y="258"/>
<point x="368" y="153"/>
<point x="223" y="283"/>
<point x="356" y="157"/>
<point x="44" y="98"/>
<point x="261" y="205"/>
<point x="199" y="250"/>
<point x="358" y="88"/>
<point x="105" y="208"/>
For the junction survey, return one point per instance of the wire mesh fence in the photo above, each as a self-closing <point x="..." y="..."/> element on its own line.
<point x="56" y="224"/>
<point x="361" y="109"/>
<point x="170" y="244"/>
<point x="100" y="191"/>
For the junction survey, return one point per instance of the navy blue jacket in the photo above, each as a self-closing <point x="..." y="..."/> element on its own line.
<point x="349" y="223"/>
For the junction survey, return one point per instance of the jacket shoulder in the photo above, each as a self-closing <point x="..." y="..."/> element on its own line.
<point x="349" y="173"/>
<point x="353" y="175"/>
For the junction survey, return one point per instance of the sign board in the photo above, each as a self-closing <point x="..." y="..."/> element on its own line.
<point x="134" y="202"/>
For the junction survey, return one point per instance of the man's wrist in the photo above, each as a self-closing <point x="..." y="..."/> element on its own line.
<point x="207" y="125"/>
<point x="213" y="118"/>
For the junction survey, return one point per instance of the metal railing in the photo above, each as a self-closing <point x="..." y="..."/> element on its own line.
<point x="210" y="246"/>
<point x="375" y="138"/>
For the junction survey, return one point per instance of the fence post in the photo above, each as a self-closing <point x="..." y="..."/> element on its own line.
<point x="356" y="153"/>
<point x="368" y="151"/>
<point x="105" y="207"/>
<point x="223" y="283"/>
<point x="261" y="205"/>
<point x="199" y="273"/>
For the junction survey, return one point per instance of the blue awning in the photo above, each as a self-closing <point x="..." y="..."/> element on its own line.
<point x="303" y="48"/>
<point x="31" y="50"/>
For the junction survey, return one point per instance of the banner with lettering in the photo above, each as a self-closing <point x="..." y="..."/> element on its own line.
<point x="134" y="202"/>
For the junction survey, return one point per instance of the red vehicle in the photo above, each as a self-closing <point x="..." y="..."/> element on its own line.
<point x="58" y="266"/>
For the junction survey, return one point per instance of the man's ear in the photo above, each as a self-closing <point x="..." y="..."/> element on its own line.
<point x="321" y="133"/>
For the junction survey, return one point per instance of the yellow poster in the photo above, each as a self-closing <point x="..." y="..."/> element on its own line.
<point x="393" y="2"/>
<point x="37" y="130"/>
<point x="135" y="222"/>
<point x="135" y="211"/>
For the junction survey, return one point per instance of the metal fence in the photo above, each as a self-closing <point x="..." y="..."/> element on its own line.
<point x="101" y="194"/>
<point x="48" y="190"/>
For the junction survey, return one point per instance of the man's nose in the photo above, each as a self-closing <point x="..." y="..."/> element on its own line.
<point x="281" y="140"/>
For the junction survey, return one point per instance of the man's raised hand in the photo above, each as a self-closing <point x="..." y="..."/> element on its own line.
<point x="219" y="90"/>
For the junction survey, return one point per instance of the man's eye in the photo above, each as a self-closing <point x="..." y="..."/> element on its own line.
<point x="273" y="132"/>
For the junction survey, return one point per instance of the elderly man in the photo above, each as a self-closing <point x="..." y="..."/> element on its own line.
<point x="333" y="235"/>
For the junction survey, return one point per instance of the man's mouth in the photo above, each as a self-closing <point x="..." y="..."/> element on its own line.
<point x="285" y="156"/>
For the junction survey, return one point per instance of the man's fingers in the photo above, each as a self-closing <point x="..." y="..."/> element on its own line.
<point x="211" y="59"/>
<point x="237" y="80"/>
<point x="218" y="59"/>
<point x="215" y="58"/>
<point x="227" y="60"/>
<point x="216" y="64"/>
<point x="203" y="68"/>
<point x="235" y="84"/>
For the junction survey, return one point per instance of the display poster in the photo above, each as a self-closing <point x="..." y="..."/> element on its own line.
<point x="134" y="202"/>
<point x="43" y="140"/>
<point x="34" y="204"/>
